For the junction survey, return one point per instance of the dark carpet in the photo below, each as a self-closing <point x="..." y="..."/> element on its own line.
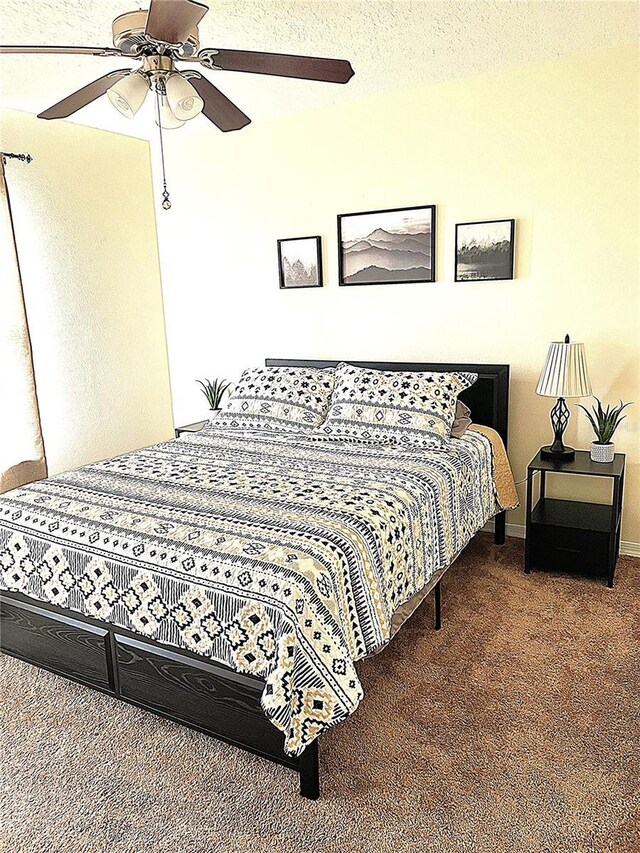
<point x="515" y="728"/>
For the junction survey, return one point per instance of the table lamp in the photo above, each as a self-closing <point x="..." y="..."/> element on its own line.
<point x="564" y="374"/>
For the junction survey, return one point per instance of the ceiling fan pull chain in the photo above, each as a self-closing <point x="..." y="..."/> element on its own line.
<point x="166" y="203"/>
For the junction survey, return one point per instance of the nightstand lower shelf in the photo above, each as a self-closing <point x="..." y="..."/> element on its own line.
<point x="584" y="516"/>
<point x="571" y="536"/>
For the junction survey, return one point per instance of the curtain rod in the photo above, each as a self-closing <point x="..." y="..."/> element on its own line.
<point x="26" y="158"/>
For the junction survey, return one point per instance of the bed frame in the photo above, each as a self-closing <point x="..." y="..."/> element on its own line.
<point x="180" y="685"/>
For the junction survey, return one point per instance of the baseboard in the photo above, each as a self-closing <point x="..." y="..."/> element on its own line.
<point x="629" y="549"/>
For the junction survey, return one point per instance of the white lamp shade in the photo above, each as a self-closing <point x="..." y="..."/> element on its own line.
<point x="167" y="118"/>
<point x="183" y="98"/>
<point x="565" y="372"/>
<point x="128" y="94"/>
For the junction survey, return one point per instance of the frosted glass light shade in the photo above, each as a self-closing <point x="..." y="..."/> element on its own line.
<point x="128" y="94"/>
<point x="183" y="98"/>
<point x="565" y="372"/>
<point x="168" y="120"/>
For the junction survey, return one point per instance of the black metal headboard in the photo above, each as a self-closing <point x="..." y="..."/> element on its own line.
<point x="488" y="398"/>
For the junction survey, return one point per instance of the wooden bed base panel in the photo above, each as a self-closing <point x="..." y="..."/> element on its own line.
<point x="176" y="684"/>
<point x="183" y="686"/>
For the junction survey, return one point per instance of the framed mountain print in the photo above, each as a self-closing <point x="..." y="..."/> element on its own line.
<point x="300" y="263"/>
<point x="484" y="250"/>
<point x="387" y="246"/>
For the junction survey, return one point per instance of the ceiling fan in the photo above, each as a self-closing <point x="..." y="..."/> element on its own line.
<point x="166" y="33"/>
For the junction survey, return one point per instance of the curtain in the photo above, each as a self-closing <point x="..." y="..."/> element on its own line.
<point x="22" y="457"/>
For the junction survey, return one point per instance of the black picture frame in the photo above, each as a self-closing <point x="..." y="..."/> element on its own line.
<point x="429" y="239"/>
<point x="506" y="273"/>
<point x="282" y="257"/>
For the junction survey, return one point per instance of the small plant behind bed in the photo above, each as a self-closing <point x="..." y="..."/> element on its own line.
<point x="604" y="422"/>
<point x="214" y="391"/>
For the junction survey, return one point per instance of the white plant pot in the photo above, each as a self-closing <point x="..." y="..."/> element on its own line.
<point x="602" y="452"/>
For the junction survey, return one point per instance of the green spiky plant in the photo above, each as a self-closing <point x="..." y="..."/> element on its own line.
<point x="214" y="391"/>
<point x="605" y="421"/>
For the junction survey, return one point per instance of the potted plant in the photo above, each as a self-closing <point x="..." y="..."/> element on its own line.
<point x="604" y="422"/>
<point x="214" y="391"/>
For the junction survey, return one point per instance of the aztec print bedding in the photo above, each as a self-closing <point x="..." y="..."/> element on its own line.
<point x="284" y="555"/>
<point x="394" y="406"/>
<point x="278" y="398"/>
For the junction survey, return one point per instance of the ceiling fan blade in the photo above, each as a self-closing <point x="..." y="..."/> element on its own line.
<point x="73" y="103"/>
<point x="217" y="107"/>
<point x="45" y="48"/>
<point x="173" y="21"/>
<point x="279" y="64"/>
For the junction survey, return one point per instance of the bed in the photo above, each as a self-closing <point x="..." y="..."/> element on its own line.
<point x="257" y="644"/>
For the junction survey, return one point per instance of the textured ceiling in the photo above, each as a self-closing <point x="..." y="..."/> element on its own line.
<point x="391" y="45"/>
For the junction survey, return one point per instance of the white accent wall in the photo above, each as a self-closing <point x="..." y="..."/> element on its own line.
<point x="85" y="227"/>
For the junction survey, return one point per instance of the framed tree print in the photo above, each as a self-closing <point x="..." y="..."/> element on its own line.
<point x="484" y="250"/>
<point x="300" y="263"/>
<point x="387" y="246"/>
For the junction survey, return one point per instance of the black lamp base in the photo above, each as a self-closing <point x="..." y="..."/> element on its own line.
<point x="558" y="451"/>
<point x="567" y="454"/>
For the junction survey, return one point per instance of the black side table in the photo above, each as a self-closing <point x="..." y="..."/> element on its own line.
<point x="196" y="427"/>
<point x="572" y="535"/>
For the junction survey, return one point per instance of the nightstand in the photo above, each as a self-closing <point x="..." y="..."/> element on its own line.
<point x="196" y="427"/>
<point x="572" y="535"/>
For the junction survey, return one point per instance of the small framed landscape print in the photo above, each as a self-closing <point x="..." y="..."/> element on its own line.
<point x="387" y="246"/>
<point x="484" y="250"/>
<point x="300" y="263"/>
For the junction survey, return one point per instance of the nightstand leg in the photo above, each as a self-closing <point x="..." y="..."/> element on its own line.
<point x="619" y="518"/>
<point x="499" y="528"/>
<point x="615" y="521"/>
<point x="436" y="600"/>
<point x="527" y="541"/>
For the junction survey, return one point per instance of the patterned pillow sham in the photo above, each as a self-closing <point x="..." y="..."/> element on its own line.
<point x="280" y="398"/>
<point x="394" y="407"/>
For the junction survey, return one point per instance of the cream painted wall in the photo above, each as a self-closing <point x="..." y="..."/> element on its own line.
<point x="554" y="145"/>
<point x="85" y="227"/>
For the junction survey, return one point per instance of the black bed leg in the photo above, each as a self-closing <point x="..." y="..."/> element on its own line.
<point x="310" y="772"/>
<point x="499" y="528"/>
<point x="436" y="600"/>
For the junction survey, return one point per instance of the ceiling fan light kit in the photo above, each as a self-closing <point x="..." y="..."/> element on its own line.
<point x="168" y="119"/>
<point x="128" y="94"/>
<point x="183" y="99"/>
<point x="180" y="101"/>
<point x="158" y="37"/>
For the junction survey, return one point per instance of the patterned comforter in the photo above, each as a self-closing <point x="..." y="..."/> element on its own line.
<point x="281" y="555"/>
